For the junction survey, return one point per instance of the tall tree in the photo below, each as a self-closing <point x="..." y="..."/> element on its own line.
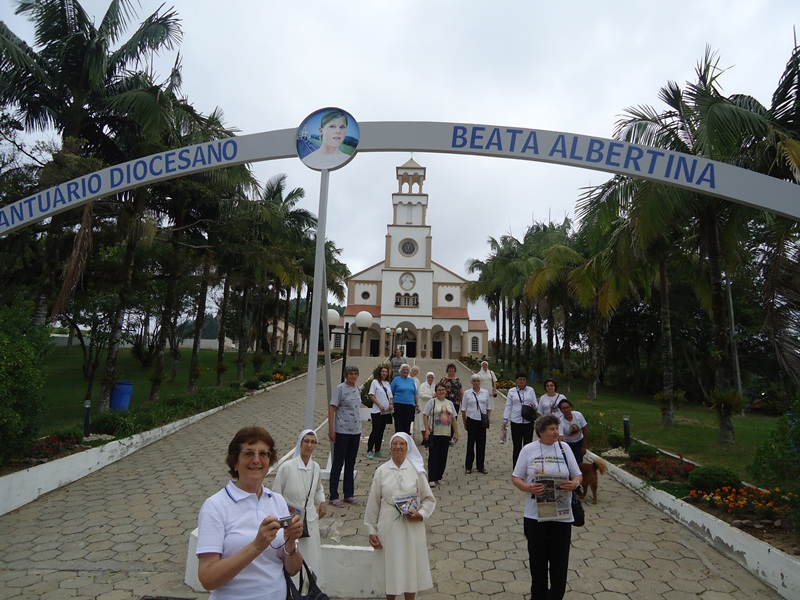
<point x="86" y="83"/>
<point x="702" y="121"/>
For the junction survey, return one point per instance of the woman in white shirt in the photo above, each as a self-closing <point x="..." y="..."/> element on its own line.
<point x="573" y="429"/>
<point x="427" y="389"/>
<point x="488" y="379"/>
<point x="380" y="392"/>
<point x="549" y="534"/>
<point x="299" y="481"/>
<point x="242" y="547"/>
<point x="548" y="402"/>
<point x="521" y="428"/>
<point x="476" y="404"/>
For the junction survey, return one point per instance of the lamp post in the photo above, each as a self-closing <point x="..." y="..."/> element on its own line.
<point x="398" y="332"/>
<point x="390" y="338"/>
<point x="626" y="429"/>
<point x="363" y="322"/>
<point x="87" y="419"/>
<point x="333" y="320"/>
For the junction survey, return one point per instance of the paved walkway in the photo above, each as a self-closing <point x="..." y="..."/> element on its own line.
<point x="122" y="532"/>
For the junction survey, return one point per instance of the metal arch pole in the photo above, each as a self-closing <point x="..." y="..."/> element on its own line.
<point x="326" y="339"/>
<point x="319" y="292"/>
<point x="344" y="354"/>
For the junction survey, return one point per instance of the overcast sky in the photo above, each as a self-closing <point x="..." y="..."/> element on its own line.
<point x="564" y="66"/>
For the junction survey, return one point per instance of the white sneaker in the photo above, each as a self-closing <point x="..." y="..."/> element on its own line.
<point x="432" y="484"/>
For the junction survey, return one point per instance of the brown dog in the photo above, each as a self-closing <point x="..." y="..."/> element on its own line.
<point x="589" y="471"/>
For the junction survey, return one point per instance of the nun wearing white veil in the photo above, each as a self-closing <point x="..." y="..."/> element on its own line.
<point x="299" y="482"/>
<point x="400" y="501"/>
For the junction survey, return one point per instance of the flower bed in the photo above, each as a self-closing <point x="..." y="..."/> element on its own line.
<point x="765" y="514"/>
<point x="747" y="501"/>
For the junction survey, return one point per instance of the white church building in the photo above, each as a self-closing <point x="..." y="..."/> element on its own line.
<point x="408" y="292"/>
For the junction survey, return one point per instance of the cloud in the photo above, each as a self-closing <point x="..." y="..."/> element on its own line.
<point x="571" y="66"/>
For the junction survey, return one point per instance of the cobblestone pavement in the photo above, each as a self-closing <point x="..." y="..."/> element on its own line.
<point x="122" y="532"/>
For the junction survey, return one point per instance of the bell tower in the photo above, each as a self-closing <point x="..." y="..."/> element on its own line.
<point x="408" y="239"/>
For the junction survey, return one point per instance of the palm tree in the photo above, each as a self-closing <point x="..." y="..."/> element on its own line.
<point x="186" y="207"/>
<point x="290" y="227"/>
<point x="546" y="287"/>
<point x="486" y="288"/>
<point x="631" y="203"/>
<point x="700" y="120"/>
<point x="85" y="82"/>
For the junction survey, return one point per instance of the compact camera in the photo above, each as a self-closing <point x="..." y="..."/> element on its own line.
<point x="285" y="522"/>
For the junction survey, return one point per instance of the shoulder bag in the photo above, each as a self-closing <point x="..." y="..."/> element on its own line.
<point x="427" y="443"/>
<point x="388" y="416"/>
<point x="578" y="515"/>
<point x="313" y="593"/>
<point x="305" y="506"/>
<point x="528" y="412"/>
<point x="484" y="417"/>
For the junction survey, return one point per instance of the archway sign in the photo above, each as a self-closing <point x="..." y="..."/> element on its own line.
<point x="589" y="152"/>
<point x="334" y="146"/>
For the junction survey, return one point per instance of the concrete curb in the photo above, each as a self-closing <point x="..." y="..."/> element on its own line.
<point x="772" y="566"/>
<point x="22" y="487"/>
<point x="26" y="486"/>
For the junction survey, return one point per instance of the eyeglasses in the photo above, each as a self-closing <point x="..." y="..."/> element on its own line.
<point x="250" y="454"/>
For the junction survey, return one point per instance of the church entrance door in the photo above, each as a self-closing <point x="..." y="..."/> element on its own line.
<point x="374" y="347"/>
<point x="437" y="350"/>
<point x="411" y="349"/>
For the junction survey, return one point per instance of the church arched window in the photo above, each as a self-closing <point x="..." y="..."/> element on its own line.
<point x="406" y="300"/>
<point x="397" y="299"/>
<point x="415" y="300"/>
<point x="475" y="343"/>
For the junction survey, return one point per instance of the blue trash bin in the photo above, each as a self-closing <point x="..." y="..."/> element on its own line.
<point x="121" y="395"/>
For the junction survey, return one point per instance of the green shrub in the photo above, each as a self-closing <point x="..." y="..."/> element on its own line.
<point x="365" y="400"/>
<point x="709" y="479"/>
<point x="70" y="435"/>
<point x="638" y="452"/>
<point x="23" y="350"/>
<point x="615" y="439"/>
<point x="106" y="422"/>
<point x="168" y="410"/>
<point x="599" y="431"/>
<point x="252" y="384"/>
<point x="777" y="462"/>
<point x="265" y="377"/>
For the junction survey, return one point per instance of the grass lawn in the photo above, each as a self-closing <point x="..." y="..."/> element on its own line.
<point x="65" y="388"/>
<point x="695" y="432"/>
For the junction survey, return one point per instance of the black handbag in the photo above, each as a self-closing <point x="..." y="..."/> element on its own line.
<point x="528" y="412"/>
<point x="313" y="592"/>
<point x="578" y="514"/>
<point x="484" y="417"/>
